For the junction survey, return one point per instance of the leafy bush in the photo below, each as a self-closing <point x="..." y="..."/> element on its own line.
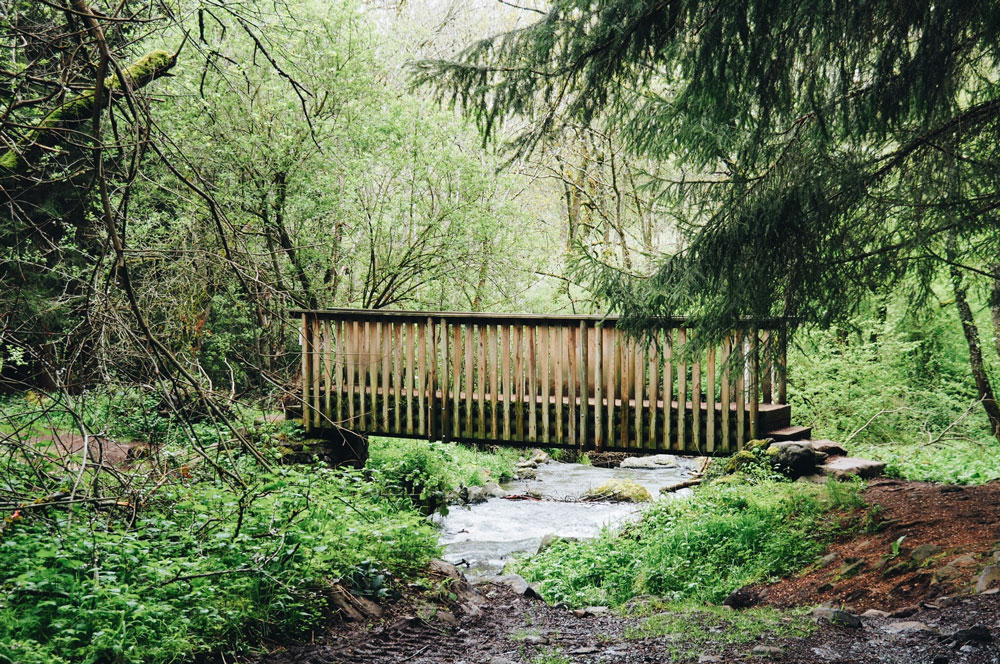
<point x="202" y="569"/>
<point x="702" y="548"/>
<point x="896" y="389"/>
<point x="426" y="472"/>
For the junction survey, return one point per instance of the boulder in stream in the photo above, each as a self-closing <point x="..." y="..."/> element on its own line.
<point x="651" y="462"/>
<point x="619" y="490"/>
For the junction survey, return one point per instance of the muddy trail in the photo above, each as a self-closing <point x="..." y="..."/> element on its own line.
<point x="916" y="602"/>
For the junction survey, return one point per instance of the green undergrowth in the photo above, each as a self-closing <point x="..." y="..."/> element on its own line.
<point x="702" y="548"/>
<point x="202" y="569"/>
<point x="898" y="390"/>
<point x="429" y="472"/>
<point x="691" y="626"/>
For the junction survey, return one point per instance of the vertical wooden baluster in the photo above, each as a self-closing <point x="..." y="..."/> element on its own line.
<point x="410" y="378"/>
<point x="765" y="369"/>
<point x="545" y="344"/>
<point x="397" y="376"/>
<point x="422" y="377"/>
<point x="668" y="386"/>
<point x="583" y="340"/>
<point x="481" y="381"/>
<point x="639" y="375"/>
<point x="681" y="391"/>
<point x="350" y="358"/>
<point x="491" y="337"/>
<point x="373" y="367"/>
<point x="710" y="410"/>
<point x="571" y="383"/>
<point x="363" y="374"/>
<point x="339" y="368"/>
<point x="754" y="387"/>
<point x="738" y="397"/>
<point x="696" y="406"/>
<point x="437" y="329"/>
<point x="624" y="355"/>
<point x="306" y="382"/>
<point x="505" y="358"/>
<point x="317" y="373"/>
<point x="598" y="386"/>
<point x="517" y="340"/>
<point x="532" y="386"/>
<point x="386" y="373"/>
<point x="456" y="377"/>
<point x="613" y="382"/>
<point x="782" y="363"/>
<point x="727" y="401"/>
<point x="327" y="372"/>
<point x="556" y="341"/>
<point x="654" y="388"/>
<point x="469" y="339"/>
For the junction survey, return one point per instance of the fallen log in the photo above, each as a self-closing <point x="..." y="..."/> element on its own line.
<point x="681" y="485"/>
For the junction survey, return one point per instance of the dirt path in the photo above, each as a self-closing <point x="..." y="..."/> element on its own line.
<point x="931" y="624"/>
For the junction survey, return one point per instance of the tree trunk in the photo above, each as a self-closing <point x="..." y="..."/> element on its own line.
<point x="976" y="363"/>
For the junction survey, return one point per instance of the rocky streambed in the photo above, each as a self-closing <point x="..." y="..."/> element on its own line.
<point x="551" y="499"/>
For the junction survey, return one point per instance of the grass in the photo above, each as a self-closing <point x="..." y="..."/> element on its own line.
<point x="686" y="628"/>
<point x="702" y="548"/>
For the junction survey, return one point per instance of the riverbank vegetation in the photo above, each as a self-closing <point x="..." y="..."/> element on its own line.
<point x="700" y="548"/>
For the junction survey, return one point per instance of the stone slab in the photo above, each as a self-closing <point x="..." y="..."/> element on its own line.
<point x="844" y="467"/>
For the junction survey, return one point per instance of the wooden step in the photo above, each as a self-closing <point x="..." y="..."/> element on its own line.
<point x="790" y="433"/>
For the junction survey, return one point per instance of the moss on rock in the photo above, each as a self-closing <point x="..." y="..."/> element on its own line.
<point x="623" y="491"/>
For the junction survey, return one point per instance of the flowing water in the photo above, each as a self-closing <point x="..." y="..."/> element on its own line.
<point x="481" y="538"/>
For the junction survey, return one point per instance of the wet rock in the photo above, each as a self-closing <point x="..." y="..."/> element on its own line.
<point x="836" y="617"/>
<point x="845" y="467"/>
<point x="708" y="659"/>
<point x="501" y="660"/>
<point x="535" y="639"/>
<point x="828" y="559"/>
<point x="590" y="611"/>
<point x="742" y="598"/>
<point x="875" y="613"/>
<point x="907" y="626"/>
<point x="974" y="634"/>
<point x="493" y="490"/>
<point x="526" y="473"/>
<point x="924" y="551"/>
<point x="989" y="579"/>
<point x="850" y="569"/>
<point x="904" y="612"/>
<point x="619" y="490"/>
<point x="828" y="447"/>
<point x="767" y="651"/>
<point x="473" y="495"/>
<point x="515" y="582"/>
<point x="946" y="573"/>
<point x="793" y="458"/>
<point x="551" y="539"/>
<point x="650" y="462"/>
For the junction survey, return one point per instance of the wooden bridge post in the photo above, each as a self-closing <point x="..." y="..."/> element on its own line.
<point x="598" y="386"/>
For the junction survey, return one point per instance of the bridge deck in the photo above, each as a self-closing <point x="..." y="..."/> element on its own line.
<point x="564" y="381"/>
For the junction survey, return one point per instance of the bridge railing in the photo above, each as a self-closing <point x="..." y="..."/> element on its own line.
<point x="534" y="380"/>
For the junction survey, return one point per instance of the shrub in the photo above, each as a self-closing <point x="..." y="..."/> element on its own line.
<point x="703" y="548"/>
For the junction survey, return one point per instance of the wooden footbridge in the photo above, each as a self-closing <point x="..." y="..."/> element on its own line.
<point x="550" y="381"/>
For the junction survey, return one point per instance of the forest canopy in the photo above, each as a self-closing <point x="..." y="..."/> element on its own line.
<point x="824" y="153"/>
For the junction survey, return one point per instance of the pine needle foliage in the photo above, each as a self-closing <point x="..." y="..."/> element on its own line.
<point x="822" y="150"/>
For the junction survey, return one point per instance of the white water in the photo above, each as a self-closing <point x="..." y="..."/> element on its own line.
<point x="481" y="538"/>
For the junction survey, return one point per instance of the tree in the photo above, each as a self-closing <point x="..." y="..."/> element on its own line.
<point x="824" y="151"/>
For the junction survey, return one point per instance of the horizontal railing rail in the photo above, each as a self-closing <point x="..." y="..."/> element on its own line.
<point x="525" y="379"/>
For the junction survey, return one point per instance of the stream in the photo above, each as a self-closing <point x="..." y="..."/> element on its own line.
<point x="481" y="538"/>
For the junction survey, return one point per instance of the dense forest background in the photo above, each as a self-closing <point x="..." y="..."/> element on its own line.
<point x="175" y="176"/>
